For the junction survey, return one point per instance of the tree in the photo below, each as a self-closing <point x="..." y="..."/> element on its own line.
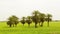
<point x="39" y="20"/>
<point x="35" y="17"/>
<point x="13" y="20"/>
<point x="29" y="20"/>
<point x="16" y="21"/>
<point x="9" y="23"/>
<point x="48" y="18"/>
<point x="42" y="18"/>
<point x="23" y="20"/>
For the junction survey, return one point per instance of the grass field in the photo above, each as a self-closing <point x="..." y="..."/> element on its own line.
<point x="54" y="28"/>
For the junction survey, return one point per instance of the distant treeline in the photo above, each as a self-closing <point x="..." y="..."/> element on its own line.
<point x="37" y="17"/>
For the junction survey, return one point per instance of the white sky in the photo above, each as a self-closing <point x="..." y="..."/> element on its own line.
<point x="26" y="7"/>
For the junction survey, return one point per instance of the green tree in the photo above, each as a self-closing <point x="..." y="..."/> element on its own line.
<point x="23" y="20"/>
<point x="9" y="23"/>
<point x="42" y="18"/>
<point x="16" y="20"/>
<point x="48" y="18"/>
<point x="13" y="20"/>
<point x="29" y="20"/>
<point x="35" y="17"/>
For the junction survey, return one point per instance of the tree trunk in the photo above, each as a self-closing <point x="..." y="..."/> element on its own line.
<point x="48" y="24"/>
<point x="36" y="25"/>
<point x="42" y="24"/>
<point x="10" y="25"/>
<point x="28" y="25"/>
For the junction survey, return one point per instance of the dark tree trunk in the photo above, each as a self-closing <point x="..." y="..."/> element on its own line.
<point x="36" y="25"/>
<point x="10" y="25"/>
<point x="48" y="24"/>
<point x="28" y="25"/>
<point x="42" y="24"/>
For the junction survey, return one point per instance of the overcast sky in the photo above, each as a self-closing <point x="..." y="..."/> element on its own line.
<point x="22" y="8"/>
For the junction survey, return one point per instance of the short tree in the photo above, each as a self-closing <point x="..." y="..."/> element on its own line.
<point x="9" y="23"/>
<point x="29" y="20"/>
<point x="13" y="20"/>
<point x="23" y="20"/>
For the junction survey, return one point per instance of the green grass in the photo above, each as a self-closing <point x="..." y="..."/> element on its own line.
<point x="54" y="28"/>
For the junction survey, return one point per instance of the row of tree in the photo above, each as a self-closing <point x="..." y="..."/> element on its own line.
<point x="36" y="18"/>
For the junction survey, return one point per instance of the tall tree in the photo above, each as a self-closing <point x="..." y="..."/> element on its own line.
<point x="48" y="18"/>
<point x="35" y="17"/>
<point x="42" y="18"/>
<point x="23" y="20"/>
<point x="39" y="20"/>
<point x="29" y="20"/>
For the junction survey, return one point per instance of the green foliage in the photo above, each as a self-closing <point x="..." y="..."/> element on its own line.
<point x="37" y="17"/>
<point x="29" y="20"/>
<point x="49" y="18"/>
<point x="42" y="18"/>
<point x="23" y="20"/>
<point x="13" y="20"/>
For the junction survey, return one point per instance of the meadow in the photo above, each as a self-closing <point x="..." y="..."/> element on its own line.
<point x="54" y="28"/>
